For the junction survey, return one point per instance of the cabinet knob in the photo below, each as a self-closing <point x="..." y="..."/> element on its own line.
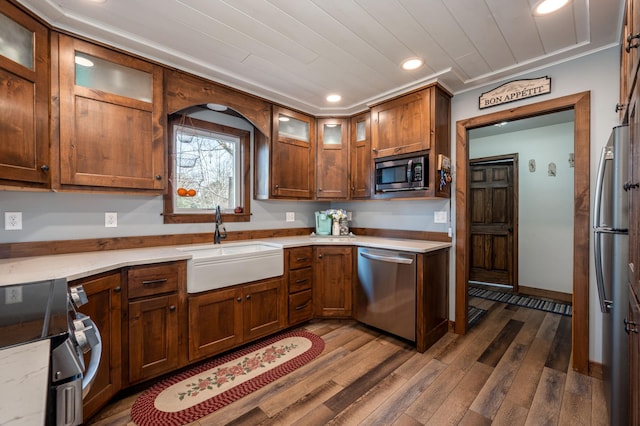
<point x="630" y="46"/>
<point x="158" y="177"/>
<point x="630" y="326"/>
<point x="319" y="189"/>
<point x="374" y="149"/>
<point x="619" y="107"/>
<point x="628" y="186"/>
<point x="172" y="308"/>
<point x="117" y="289"/>
<point x="44" y="168"/>
<point x="319" y="256"/>
<point x="239" y="299"/>
<point x="248" y="296"/>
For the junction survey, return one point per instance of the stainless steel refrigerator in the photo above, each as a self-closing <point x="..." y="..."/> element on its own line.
<point x="611" y="249"/>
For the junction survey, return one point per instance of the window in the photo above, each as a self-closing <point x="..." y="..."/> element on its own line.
<point x="209" y="166"/>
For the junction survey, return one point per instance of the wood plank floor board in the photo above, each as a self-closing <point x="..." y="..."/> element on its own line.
<point x="560" y="352"/>
<point x="366" y="377"/>
<point x="498" y="346"/>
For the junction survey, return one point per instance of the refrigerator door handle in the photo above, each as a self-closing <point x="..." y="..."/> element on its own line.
<point x="605" y="304"/>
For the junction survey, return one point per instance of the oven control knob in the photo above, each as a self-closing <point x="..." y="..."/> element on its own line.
<point x="84" y="333"/>
<point x="78" y="296"/>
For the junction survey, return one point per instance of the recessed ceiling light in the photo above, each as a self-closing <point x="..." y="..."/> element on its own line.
<point x="97" y="1"/>
<point x="217" y="107"/>
<point x="334" y="98"/>
<point x="502" y="124"/>
<point x="81" y="60"/>
<point x="412" y="64"/>
<point x="544" y="7"/>
<point x="283" y="118"/>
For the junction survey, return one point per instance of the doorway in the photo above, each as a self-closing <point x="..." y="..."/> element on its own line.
<point x="493" y="214"/>
<point x="580" y="103"/>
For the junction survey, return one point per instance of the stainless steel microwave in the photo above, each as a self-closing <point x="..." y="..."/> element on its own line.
<point x="402" y="173"/>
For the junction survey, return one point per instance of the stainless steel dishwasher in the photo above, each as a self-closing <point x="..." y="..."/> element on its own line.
<point x="386" y="291"/>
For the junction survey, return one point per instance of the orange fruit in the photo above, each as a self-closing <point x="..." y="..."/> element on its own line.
<point x="182" y="192"/>
<point x="191" y="192"/>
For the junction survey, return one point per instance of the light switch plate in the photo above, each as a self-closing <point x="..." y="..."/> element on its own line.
<point x="440" y="217"/>
<point x="12" y="221"/>
<point x="110" y="219"/>
<point x="291" y="217"/>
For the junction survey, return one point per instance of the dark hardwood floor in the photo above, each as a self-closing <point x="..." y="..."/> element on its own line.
<point x="512" y="368"/>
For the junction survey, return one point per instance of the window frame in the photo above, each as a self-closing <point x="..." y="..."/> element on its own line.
<point x="170" y="216"/>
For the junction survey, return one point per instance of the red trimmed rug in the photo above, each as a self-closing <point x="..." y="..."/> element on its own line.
<point x="192" y="394"/>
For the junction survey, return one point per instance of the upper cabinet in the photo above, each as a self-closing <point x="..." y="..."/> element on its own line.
<point x="410" y="123"/>
<point x="332" y="162"/>
<point x="360" y="156"/>
<point x="629" y="56"/>
<point x="111" y="109"/>
<point x="292" y="156"/>
<point x="24" y="94"/>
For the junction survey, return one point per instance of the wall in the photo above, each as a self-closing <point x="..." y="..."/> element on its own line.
<point x="545" y="203"/>
<point x="598" y="73"/>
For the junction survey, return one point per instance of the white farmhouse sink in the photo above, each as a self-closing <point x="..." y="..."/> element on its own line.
<point x="220" y="265"/>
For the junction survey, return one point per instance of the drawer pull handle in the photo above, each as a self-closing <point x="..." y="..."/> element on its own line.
<point x="172" y="308"/>
<point x="152" y="282"/>
<point x="301" y="259"/>
<point x="301" y="281"/>
<point x="630" y="326"/>
<point x="298" y="308"/>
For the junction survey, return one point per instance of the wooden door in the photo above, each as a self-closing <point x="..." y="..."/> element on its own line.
<point x="153" y="337"/>
<point x="105" y="309"/>
<point x="264" y="310"/>
<point x="492" y="195"/>
<point x="332" y="161"/>
<point x="215" y="322"/>
<point x="332" y="289"/>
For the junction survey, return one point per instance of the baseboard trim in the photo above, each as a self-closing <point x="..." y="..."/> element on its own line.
<point x="547" y="294"/>
<point x="596" y="370"/>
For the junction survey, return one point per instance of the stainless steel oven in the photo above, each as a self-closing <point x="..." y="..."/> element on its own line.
<point x="46" y="311"/>
<point x="402" y="173"/>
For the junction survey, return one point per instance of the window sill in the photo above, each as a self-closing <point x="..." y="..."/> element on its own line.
<point x="206" y="218"/>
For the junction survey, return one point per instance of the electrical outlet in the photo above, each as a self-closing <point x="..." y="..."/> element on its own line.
<point x="291" y="217"/>
<point x="440" y="217"/>
<point x="12" y="295"/>
<point x="12" y="221"/>
<point x="110" y="219"/>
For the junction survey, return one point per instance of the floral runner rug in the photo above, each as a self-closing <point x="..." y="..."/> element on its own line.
<point x="192" y="394"/>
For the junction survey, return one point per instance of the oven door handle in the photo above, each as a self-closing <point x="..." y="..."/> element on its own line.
<point x="94" y="361"/>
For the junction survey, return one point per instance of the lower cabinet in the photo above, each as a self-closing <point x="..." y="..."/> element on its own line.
<point x="634" y="357"/>
<point x="299" y="264"/>
<point x="332" y="284"/>
<point x="154" y="319"/>
<point x="104" y="308"/>
<point x="222" y="319"/>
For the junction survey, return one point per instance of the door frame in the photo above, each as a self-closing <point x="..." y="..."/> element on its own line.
<point x="581" y="104"/>
<point x="497" y="159"/>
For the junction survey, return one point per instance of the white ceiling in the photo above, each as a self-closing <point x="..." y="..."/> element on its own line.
<point x="296" y="52"/>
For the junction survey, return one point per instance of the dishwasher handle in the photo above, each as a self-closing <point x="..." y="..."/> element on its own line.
<point x="390" y="259"/>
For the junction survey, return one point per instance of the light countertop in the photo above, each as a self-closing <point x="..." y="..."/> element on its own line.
<point x="80" y="265"/>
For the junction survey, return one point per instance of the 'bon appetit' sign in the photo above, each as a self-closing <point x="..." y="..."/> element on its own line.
<point x="515" y="91"/>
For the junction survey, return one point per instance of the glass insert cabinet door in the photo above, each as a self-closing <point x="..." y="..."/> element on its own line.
<point x="332" y="134"/>
<point x="290" y="127"/>
<point x="16" y="42"/>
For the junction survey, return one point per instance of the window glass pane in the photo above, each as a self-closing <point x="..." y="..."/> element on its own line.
<point x="209" y="164"/>
<point x="332" y="134"/>
<point x="106" y="76"/>
<point x="16" y="42"/>
<point x="361" y="130"/>
<point x="293" y="128"/>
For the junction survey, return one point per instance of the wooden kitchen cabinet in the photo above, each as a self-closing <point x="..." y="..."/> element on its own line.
<point x="154" y="319"/>
<point x="292" y="167"/>
<point x="111" y="115"/>
<point x="360" y="156"/>
<point x="634" y="357"/>
<point x="225" y="318"/>
<point x="333" y="276"/>
<point x="332" y="159"/>
<point x="432" y="295"/>
<point x="104" y="306"/>
<point x="300" y="283"/>
<point x="24" y="94"/>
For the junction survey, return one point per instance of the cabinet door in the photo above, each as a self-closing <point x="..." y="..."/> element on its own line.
<point x="332" y="162"/>
<point x="360" y="160"/>
<point x="332" y="289"/>
<point x="153" y="337"/>
<point x="215" y="322"/>
<point x="264" y="310"/>
<point x="634" y="189"/>
<point x="105" y="309"/>
<point x="634" y="359"/>
<point x="293" y="162"/>
<point x="402" y="125"/>
<point x="24" y="91"/>
<point x="110" y="130"/>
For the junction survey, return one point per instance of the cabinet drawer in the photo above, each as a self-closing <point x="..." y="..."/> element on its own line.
<point x="300" y="307"/>
<point x="300" y="279"/>
<point x="300" y="257"/>
<point x="155" y="279"/>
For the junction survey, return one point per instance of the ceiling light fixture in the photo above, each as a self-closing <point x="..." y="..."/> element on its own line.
<point x="82" y="61"/>
<point x="217" y="107"/>
<point x="334" y="98"/>
<point x="544" y="7"/>
<point x="283" y="118"/>
<point x="412" y="64"/>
